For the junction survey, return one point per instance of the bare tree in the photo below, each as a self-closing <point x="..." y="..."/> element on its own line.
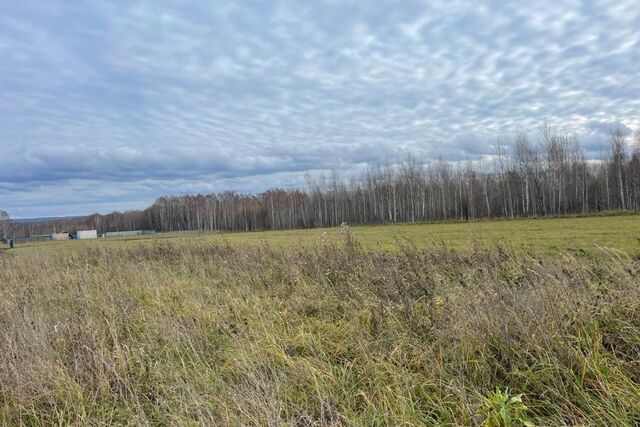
<point x="552" y="178"/>
<point x="618" y="160"/>
<point x="634" y="173"/>
<point x="4" y="224"/>
<point x="504" y="166"/>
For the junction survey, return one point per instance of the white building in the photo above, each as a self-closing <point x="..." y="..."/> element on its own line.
<point x="85" y="234"/>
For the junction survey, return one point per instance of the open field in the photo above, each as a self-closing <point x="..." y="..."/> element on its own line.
<point x="548" y="236"/>
<point x="322" y="330"/>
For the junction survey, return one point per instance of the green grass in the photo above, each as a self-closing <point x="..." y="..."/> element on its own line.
<point x="324" y="331"/>
<point x="535" y="235"/>
<point x="548" y="236"/>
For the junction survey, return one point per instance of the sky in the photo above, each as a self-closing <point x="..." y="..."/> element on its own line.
<point x="108" y="105"/>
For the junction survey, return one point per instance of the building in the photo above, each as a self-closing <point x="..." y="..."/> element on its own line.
<point x="128" y="233"/>
<point x="84" y="234"/>
<point x="60" y="236"/>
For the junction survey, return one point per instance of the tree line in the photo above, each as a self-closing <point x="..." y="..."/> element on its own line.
<point x="550" y="176"/>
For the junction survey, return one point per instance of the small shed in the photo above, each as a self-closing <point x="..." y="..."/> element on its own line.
<point x="60" y="236"/>
<point x="84" y="234"/>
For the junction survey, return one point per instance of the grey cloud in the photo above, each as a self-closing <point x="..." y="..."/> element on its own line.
<point x="606" y="128"/>
<point x="195" y="97"/>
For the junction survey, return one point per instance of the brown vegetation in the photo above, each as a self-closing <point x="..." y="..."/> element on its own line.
<point x="329" y="334"/>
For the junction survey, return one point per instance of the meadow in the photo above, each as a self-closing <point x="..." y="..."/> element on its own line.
<point x="545" y="236"/>
<point x="526" y="322"/>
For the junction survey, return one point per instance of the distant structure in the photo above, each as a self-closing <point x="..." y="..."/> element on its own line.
<point x="12" y="241"/>
<point x="84" y="234"/>
<point x="75" y="235"/>
<point x="128" y="233"/>
<point x="32" y="238"/>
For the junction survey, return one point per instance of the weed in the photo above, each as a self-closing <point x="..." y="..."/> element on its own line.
<point x="502" y="409"/>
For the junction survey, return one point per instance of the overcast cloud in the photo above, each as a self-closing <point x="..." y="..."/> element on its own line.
<point x="107" y="105"/>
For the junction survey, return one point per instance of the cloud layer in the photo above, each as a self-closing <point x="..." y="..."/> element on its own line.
<point x="107" y="106"/>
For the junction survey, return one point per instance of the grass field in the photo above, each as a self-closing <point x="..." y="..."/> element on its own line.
<point x="549" y="236"/>
<point x="316" y="328"/>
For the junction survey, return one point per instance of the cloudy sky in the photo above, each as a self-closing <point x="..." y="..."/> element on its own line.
<point x="107" y="105"/>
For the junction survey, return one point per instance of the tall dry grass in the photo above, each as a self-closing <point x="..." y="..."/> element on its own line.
<point x="326" y="334"/>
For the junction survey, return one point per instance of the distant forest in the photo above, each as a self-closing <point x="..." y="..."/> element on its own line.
<point x="547" y="177"/>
